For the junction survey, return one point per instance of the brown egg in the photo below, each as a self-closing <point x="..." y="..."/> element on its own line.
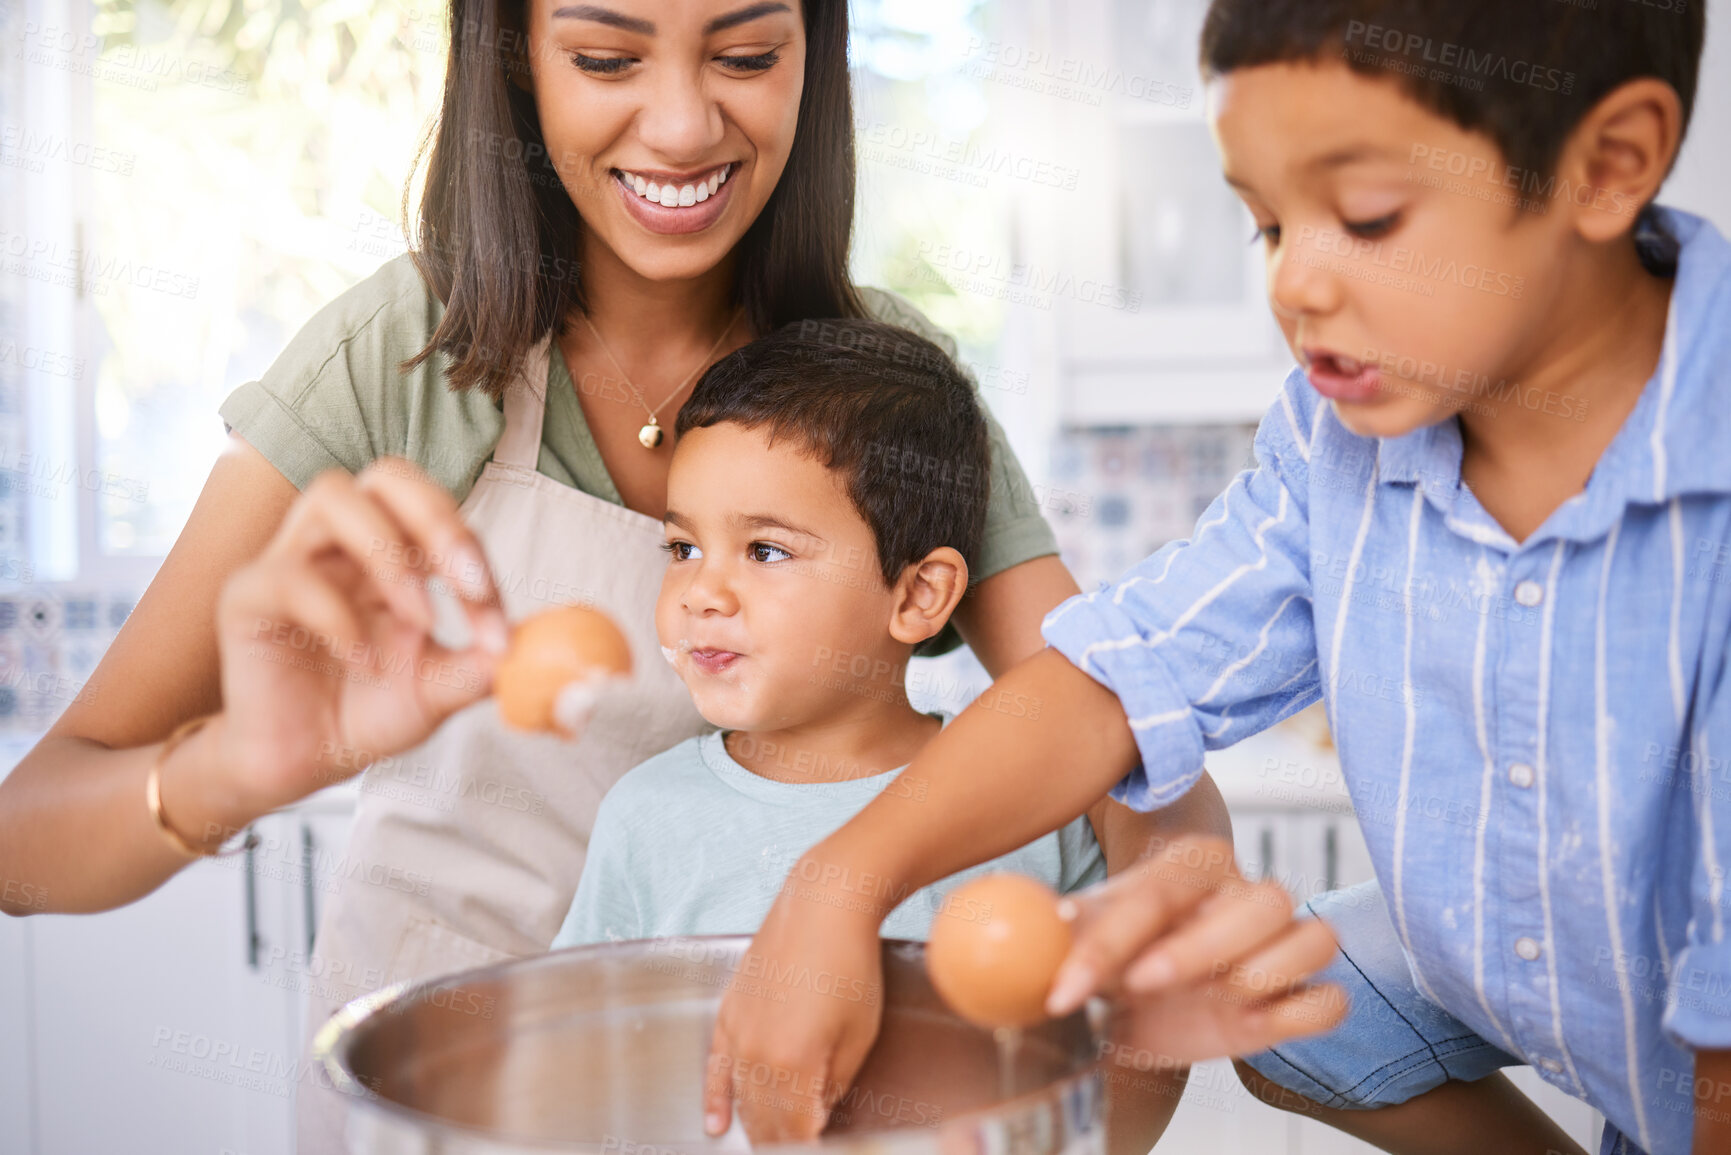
<point x="995" y="947"/>
<point x="548" y="652"/>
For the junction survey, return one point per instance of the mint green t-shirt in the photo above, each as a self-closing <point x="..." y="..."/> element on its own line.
<point x="334" y="399"/>
<point x="691" y="842"/>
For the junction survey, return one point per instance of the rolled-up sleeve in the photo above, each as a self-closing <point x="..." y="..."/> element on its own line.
<point x="1210" y="639"/>
<point x="1698" y="1009"/>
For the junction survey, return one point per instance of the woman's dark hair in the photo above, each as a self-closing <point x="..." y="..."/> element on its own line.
<point x="1524" y="72"/>
<point x="884" y="408"/>
<point x="498" y="234"/>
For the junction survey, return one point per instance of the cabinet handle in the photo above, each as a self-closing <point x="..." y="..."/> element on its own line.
<point x="307" y="885"/>
<point x="1330" y="857"/>
<point x="252" y="940"/>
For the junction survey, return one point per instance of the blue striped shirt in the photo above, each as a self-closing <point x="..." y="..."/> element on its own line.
<point x="1535" y="735"/>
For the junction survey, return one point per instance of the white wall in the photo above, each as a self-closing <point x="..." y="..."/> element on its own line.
<point x="1701" y="182"/>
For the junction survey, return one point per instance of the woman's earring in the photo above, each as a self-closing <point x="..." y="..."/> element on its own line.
<point x="517" y="60"/>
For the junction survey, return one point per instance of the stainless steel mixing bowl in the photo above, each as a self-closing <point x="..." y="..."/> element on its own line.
<point x="602" y="1049"/>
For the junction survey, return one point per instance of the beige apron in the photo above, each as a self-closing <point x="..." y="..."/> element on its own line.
<point x="480" y="863"/>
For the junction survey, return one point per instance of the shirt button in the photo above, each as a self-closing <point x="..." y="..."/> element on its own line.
<point x="1527" y="948"/>
<point x="1521" y="775"/>
<point x="1529" y="593"/>
<point x="1552" y="1066"/>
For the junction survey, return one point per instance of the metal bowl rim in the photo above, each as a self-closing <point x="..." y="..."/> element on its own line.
<point x="326" y="1045"/>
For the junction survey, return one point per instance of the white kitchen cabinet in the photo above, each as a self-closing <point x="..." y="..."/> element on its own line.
<point x="171" y="1026"/>
<point x="152" y="1031"/>
<point x="17" y="1098"/>
<point x="1151" y="215"/>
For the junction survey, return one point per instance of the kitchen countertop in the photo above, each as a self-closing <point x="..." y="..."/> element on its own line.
<point x="1291" y="766"/>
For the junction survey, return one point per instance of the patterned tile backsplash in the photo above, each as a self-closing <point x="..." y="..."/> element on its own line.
<point x="50" y="642"/>
<point x="1128" y="492"/>
<point x="1135" y="489"/>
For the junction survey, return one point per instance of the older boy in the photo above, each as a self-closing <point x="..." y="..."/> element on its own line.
<point x="1555" y="571"/>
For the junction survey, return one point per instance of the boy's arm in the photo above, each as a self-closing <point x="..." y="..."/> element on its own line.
<point x="995" y="621"/>
<point x="1202" y="644"/>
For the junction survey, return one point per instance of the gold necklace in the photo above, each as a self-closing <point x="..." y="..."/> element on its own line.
<point x="651" y="434"/>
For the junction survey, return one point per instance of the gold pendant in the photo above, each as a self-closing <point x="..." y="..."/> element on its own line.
<point x="650" y="435"/>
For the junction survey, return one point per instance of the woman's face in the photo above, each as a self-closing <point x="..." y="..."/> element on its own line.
<point x="668" y="121"/>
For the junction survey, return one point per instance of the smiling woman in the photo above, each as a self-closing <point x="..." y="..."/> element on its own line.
<point x="603" y="104"/>
<point x="616" y="196"/>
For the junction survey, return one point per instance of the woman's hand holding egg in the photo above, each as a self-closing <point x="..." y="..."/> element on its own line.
<point x="328" y="659"/>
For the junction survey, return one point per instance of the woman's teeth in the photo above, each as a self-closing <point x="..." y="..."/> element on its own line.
<point x="676" y="196"/>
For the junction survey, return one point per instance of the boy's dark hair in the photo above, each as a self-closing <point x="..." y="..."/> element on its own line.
<point x="1522" y="71"/>
<point x="885" y="408"/>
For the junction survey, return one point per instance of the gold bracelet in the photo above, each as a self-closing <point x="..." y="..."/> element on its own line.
<point x="153" y="796"/>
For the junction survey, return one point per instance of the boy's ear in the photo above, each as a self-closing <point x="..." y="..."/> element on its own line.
<point x="927" y="595"/>
<point x="1618" y="156"/>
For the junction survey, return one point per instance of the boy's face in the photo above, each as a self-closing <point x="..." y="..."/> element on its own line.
<point x="772" y="585"/>
<point x="1405" y="277"/>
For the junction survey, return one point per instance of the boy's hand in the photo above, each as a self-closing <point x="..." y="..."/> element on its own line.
<point x="1209" y="963"/>
<point x="799" y="1017"/>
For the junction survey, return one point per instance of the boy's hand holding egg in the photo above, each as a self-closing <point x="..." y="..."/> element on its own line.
<point x="557" y="660"/>
<point x="1204" y="962"/>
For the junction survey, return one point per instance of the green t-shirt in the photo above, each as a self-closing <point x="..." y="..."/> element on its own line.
<point x="334" y="399"/>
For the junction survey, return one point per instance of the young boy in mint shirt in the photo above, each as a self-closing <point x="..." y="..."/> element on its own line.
<point x="826" y="498"/>
<point x="1488" y="530"/>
